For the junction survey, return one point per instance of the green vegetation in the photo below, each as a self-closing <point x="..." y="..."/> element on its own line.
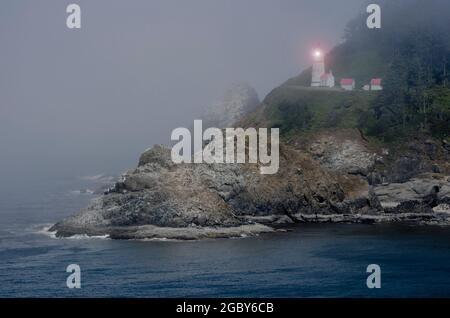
<point x="298" y="108"/>
<point x="411" y="52"/>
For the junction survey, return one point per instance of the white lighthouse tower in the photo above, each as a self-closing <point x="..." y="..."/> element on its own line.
<point x="318" y="68"/>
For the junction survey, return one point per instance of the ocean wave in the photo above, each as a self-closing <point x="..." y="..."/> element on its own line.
<point x="158" y="239"/>
<point x="45" y="230"/>
<point x="85" y="236"/>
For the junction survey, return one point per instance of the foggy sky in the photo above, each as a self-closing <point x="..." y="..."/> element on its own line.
<point x="75" y="102"/>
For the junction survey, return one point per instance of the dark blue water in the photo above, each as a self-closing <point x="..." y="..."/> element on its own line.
<point x="309" y="261"/>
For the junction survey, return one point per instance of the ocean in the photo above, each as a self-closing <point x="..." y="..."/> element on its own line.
<point x="309" y="260"/>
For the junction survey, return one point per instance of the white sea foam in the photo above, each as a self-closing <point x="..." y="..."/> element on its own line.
<point x="44" y="230"/>
<point x="158" y="239"/>
<point x="85" y="236"/>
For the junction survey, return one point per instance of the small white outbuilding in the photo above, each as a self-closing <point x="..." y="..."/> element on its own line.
<point x="348" y="84"/>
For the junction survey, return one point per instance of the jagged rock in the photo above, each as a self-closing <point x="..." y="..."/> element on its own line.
<point x="157" y="155"/>
<point x="425" y="191"/>
<point x="446" y="147"/>
<point x="431" y="149"/>
<point x="420" y="156"/>
<point x="160" y="199"/>
<point x="162" y="194"/>
<point x="343" y="151"/>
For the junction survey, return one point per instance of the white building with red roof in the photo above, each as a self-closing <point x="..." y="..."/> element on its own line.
<point x="375" y="84"/>
<point x="348" y="84"/>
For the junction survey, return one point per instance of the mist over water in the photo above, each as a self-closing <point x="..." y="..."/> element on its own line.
<point x="89" y="101"/>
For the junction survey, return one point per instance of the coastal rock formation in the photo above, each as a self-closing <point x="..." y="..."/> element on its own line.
<point x="432" y="188"/>
<point x="160" y="199"/>
<point x="239" y="100"/>
<point x="165" y="195"/>
<point x="344" y="151"/>
<point x="403" y="162"/>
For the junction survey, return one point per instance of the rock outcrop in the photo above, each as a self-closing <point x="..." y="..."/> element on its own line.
<point x="166" y="195"/>
<point x="160" y="199"/>
<point x="343" y="151"/>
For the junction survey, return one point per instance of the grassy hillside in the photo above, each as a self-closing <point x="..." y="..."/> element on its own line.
<point x="296" y="107"/>
<point x="411" y="55"/>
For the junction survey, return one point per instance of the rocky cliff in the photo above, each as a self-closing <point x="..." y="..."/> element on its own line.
<point x="325" y="178"/>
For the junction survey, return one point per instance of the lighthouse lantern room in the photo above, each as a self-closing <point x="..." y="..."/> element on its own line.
<point x="319" y="77"/>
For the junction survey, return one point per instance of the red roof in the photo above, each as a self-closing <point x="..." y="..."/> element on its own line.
<point x="325" y="76"/>
<point x="376" y="81"/>
<point x="347" y="81"/>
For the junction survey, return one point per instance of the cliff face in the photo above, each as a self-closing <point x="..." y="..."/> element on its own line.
<point x="324" y="182"/>
<point x="162" y="194"/>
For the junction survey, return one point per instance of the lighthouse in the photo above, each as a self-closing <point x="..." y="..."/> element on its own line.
<point x="318" y="68"/>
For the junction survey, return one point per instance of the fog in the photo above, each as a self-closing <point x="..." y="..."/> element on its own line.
<point x="89" y="101"/>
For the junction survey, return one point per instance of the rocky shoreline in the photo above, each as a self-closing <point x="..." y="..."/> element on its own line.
<point x="162" y="200"/>
<point x="326" y="175"/>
